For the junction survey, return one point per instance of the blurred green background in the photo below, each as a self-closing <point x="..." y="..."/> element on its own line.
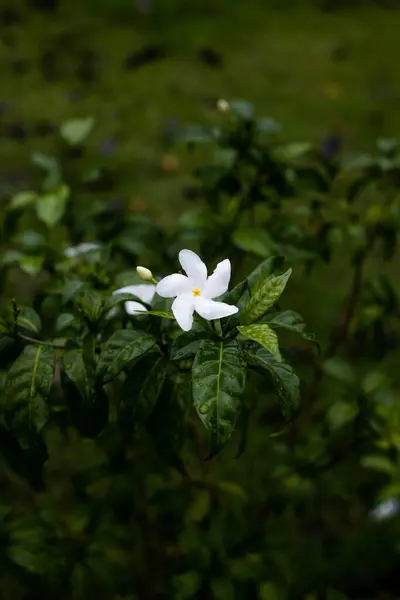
<point x="143" y="69"/>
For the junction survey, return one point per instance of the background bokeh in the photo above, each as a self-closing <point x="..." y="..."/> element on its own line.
<point x="293" y="517"/>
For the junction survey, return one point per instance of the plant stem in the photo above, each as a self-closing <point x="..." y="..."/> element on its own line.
<point x="31" y="340"/>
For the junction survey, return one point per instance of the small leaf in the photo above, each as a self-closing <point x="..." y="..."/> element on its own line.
<point x="75" y="131"/>
<point x="32" y="265"/>
<point x="341" y="413"/>
<point x="157" y="313"/>
<point x="91" y="304"/>
<point x="28" y="385"/>
<point x="218" y="381"/>
<point x="121" y="351"/>
<point x="284" y="381"/>
<point x="66" y="321"/>
<point x="51" y="166"/>
<point x="378" y="463"/>
<point x="22" y="200"/>
<point x="242" y="109"/>
<point x="10" y="256"/>
<point x="266" y="295"/>
<point x="50" y="207"/>
<point x="29" y="319"/>
<point x="264" y="335"/>
<point x="74" y="367"/>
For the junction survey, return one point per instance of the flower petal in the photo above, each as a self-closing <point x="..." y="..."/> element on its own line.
<point x="173" y="285"/>
<point x="132" y="307"/>
<point x="217" y="284"/>
<point x="183" y="312"/>
<point x="143" y="291"/>
<point x="194" y="267"/>
<point x="210" y="310"/>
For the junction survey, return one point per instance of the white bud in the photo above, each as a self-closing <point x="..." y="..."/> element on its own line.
<point x="144" y="273"/>
<point x="223" y="105"/>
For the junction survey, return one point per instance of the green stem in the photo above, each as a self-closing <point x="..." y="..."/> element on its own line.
<point x="31" y="340"/>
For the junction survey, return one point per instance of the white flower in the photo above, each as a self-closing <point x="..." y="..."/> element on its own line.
<point x="196" y="292"/>
<point x="144" y="273"/>
<point x="74" y="251"/>
<point x="143" y="291"/>
<point x="386" y="509"/>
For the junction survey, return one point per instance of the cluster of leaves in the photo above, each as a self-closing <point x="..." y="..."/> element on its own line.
<point x="102" y="414"/>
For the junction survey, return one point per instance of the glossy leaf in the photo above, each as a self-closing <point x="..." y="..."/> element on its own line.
<point x="266" y="295"/>
<point x="91" y="304"/>
<point x="284" y="381"/>
<point x="28" y="385"/>
<point x="74" y="367"/>
<point x="121" y="351"/>
<point x="66" y="321"/>
<point x="264" y="270"/>
<point x="264" y="335"/>
<point x="218" y="380"/>
<point x="187" y="344"/>
<point x="291" y="320"/>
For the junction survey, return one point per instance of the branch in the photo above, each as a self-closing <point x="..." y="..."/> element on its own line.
<point x="31" y="340"/>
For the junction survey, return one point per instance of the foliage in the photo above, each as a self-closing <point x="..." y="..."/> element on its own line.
<point x="111" y="419"/>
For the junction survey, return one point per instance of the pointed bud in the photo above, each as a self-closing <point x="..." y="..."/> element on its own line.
<point x="144" y="273"/>
<point x="223" y="105"/>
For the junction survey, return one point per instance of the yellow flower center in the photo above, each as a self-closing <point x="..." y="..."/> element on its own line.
<point x="196" y="292"/>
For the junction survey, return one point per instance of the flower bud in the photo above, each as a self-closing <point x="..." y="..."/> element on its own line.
<point x="223" y="105"/>
<point x="144" y="273"/>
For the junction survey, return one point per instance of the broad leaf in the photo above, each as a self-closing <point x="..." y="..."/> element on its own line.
<point x="255" y="240"/>
<point x="29" y="319"/>
<point x="266" y="295"/>
<point x="141" y="390"/>
<point x="187" y="344"/>
<point x="291" y="320"/>
<point x="66" y="321"/>
<point x="50" y="207"/>
<point x="166" y="422"/>
<point x="75" y="369"/>
<point x="284" y="381"/>
<point x="264" y="335"/>
<point x="218" y="381"/>
<point x="121" y="352"/>
<point x="28" y="385"/>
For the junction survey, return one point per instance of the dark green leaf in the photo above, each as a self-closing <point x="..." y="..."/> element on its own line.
<point x="91" y="304"/>
<point x="29" y="319"/>
<point x="187" y="344"/>
<point x="266" y="295"/>
<point x="28" y="385"/>
<point x="121" y="351"/>
<point x="291" y="320"/>
<point x="264" y="335"/>
<point x="255" y="240"/>
<point x="75" y="369"/>
<point x="341" y="370"/>
<point x="263" y="270"/>
<point x="158" y="313"/>
<point x="284" y="381"/>
<point x="66" y="321"/>
<point x="141" y="390"/>
<point x="218" y="380"/>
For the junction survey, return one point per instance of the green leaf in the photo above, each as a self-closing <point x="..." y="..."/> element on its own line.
<point x="73" y="364"/>
<point x="340" y="414"/>
<point x="264" y="335"/>
<point x="29" y="319"/>
<point x="242" y="109"/>
<point x="10" y="256"/>
<point x="266" y="295"/>
<point x="122" y="350"/>
<point x="75" y="131"/>
<point x="91" y="305"/>
<point x="378" y="463"/>
<point x="50" y="207"/>
<point x="255" y="240"/>
<point x="339" y="369"/>
<point x="218" y="381"/>
<point x="51" y="166"/>
<point x="66" y="321"/>
<point x="166" y="422"/>
<point x="158" y="313"/>
<point x="187" y="344"/>
<point x="22" y="200"/>
<point x="141" y="390"/>
<point x="284" y="381"/>
<point x="264" y="270"/>
<point x="32" y="265"/>
<point x="291" y="320"/>
<point x="28" y="385"/>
